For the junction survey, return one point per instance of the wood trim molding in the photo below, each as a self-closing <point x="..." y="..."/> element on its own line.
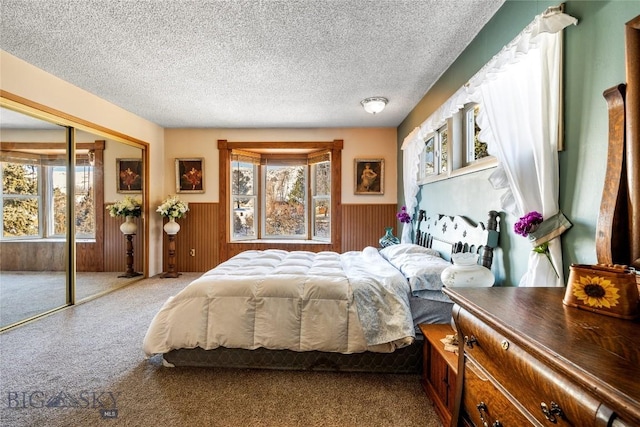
<point x="632" y="50"/>
<point x="26" y="106"/>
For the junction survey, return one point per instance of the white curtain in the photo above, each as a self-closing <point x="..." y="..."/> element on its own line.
<point x="519" y="96"/>
<point x="410" y="165"/>
<point x="518" y="93"/>
<point x="412" y="148"/>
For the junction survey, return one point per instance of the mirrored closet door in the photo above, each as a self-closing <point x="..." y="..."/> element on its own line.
<point x="106" y="257"/>
<point x="33" y="245"/>
<point x="47" y="261"/>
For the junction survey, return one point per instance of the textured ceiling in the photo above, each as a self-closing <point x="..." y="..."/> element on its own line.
<point x="240" y="64"/>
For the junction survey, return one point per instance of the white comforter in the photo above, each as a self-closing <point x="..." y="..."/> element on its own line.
<point x="301" y="301"/>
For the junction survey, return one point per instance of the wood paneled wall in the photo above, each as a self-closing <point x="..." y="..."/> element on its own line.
<point x="89" y="256"/>
<point x="115" y="246"/>
<point x="51" y="256"/>
<point x="33" y="256"/>
<point x="198" y="231"/>
<point x="362" y="225"/>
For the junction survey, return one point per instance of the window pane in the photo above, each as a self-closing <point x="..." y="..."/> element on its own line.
<point x="475" y="148"/>
<point x="20" y="214"/>
<point x="242" y="178"/>
<point x="480" y="148"/>
<point x="84" y="202"/>
<point x="322" y="218"/>
<point x="244" y="217"/>
<point x="20" y="217"/>
<point x="444" y="154"/>
<point x="322" y="179"/>
<point x="20" y="179"/>
<point x="429" y="158"/>
<point x="285" y="210"/>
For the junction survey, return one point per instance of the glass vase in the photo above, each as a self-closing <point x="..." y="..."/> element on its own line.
<point x="388" y="239"/>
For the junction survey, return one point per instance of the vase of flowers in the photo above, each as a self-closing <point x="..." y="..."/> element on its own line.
<point x="173" y="208"/>
<point x="527" y="225"/>
<point x="128" y="208"/>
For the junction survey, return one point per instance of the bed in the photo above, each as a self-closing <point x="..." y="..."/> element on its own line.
<point x="352" y="311"/>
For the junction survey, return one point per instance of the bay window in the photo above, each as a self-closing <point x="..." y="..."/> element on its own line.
<point x="280" y="196"/>
<point x="33" y="197"/>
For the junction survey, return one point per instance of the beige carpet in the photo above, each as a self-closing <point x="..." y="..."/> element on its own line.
<point x="84" y="366"/>
<point x="24" y="294"/>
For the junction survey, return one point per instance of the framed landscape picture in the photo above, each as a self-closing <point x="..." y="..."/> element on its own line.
<point x="190" y="175"/>
<point x="129" y="175"/>
<point x="369" y="176"/>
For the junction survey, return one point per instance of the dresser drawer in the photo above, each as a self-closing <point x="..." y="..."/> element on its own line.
<point x="484" y="403"/>
<point x="547" y="395"/>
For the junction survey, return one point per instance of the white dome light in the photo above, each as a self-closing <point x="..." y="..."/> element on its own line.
<point x="374" y="105"/>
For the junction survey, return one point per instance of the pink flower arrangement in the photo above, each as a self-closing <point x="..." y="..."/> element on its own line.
<point x="403" y="216"/>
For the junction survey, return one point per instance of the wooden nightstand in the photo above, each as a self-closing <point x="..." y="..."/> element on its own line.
<point x="439" y="370"/>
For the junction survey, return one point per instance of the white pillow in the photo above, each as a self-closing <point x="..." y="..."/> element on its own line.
<point x="421" y="266"/>
<point x="393" y="251"/>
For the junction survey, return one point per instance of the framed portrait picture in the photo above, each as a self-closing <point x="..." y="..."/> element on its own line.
<point x="190" y="175"/>
<point x="129" y="175"/>
<point x="369" y="176"/>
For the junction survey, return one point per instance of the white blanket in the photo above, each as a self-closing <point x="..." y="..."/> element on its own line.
<point x="301" y="301"/>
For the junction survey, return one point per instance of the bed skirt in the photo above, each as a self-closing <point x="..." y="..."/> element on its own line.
<point x="407" y="360"/>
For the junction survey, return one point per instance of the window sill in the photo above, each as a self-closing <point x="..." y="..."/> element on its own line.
<point x="487" y="163"/>
<point x="45" y="240"/>
<point x="281" y="242"/>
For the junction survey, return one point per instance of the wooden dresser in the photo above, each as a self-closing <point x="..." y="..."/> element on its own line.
<point x="530" y="360"/>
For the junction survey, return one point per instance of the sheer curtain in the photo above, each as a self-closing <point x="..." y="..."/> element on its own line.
<point x="518" y="93"/>
<point x="410" y="165"/>
<point x="412" y="148"/>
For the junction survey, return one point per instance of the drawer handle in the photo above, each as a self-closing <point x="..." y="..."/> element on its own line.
<point x="482" y="410"/>
<point x="553" y="412"/>
<point x="470" y="341"/>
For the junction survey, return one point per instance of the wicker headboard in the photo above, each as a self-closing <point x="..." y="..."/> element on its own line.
<point x="453" y="234"/>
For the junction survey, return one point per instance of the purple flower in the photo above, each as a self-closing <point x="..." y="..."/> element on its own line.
<point x="528" y="223"/>
<point x="403" y="216"/>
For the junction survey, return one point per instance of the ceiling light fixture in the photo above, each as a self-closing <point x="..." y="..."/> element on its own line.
<point x="374" y="105"/>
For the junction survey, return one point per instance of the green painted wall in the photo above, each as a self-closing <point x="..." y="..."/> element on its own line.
<point x="594" y="62"/>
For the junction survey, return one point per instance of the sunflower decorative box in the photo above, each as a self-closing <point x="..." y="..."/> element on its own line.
<point x="604" y="289"/>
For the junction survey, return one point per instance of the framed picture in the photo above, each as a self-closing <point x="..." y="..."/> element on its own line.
<point x="369" y="176"/>
<point x="190" y="175"/>
<point x="129" y="175"/>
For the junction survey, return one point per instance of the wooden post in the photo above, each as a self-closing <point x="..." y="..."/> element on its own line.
<point x="130" y="272"/>
<point x="172" y="272"/>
